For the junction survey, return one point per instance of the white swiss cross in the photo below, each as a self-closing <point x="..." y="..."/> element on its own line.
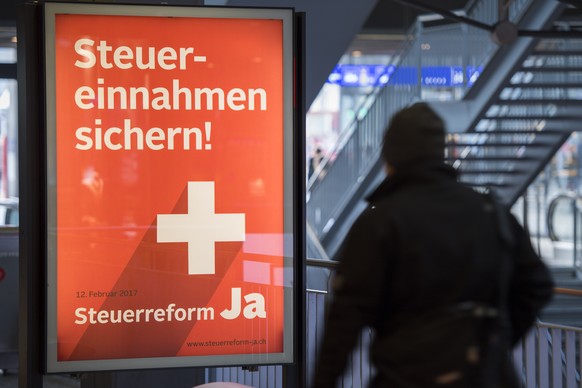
<point x="201" y="228"/>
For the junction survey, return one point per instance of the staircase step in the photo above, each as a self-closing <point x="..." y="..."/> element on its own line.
<point x="493" y="158"/>
<point x="568" y="282"/>
<point x="564" y="308"/>
<point x="489" y="172"/>
<point x="498" y="145"/>
<point x="539" y="101"/>
<point x="567" y="300"/>
<point x="552" y="69"/>
<point x="557" y="53"/>
<point x="569" y="117"/>
<point x="485" y="184"/>
<point x="545" y="132"/>
<point x="546" y="85"/>
<point x="566" y="272"/>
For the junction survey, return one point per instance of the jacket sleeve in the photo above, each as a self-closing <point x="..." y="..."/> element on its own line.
<point x="531" y="284"/>
<point x="356" y="290"/>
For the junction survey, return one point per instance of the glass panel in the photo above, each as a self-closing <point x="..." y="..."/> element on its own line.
<point x="7" y="44"/>
<point x="7" y="54"/>
<point x="8" y="152"/>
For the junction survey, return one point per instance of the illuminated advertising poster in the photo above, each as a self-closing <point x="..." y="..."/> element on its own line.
<point x="169" y="166"/>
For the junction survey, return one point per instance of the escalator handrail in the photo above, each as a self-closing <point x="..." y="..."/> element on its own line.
<point x="369" y="100"/>
<point x="565" y="195"/>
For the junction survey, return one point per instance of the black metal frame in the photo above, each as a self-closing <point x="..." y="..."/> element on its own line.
<point x="295" y="375"/>
<point x="32" y="183"/>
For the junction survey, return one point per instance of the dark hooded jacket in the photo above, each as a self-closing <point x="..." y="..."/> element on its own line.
<point x="424" y="242"/>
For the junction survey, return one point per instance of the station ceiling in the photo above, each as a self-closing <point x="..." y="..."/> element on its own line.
<point x="388" y="20"/>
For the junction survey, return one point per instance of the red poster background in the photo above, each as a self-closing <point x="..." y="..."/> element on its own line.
<point x="108" y="200"/>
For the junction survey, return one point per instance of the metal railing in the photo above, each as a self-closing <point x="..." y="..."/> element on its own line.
<point x="549" y="357"/>
<point x="357" y="151"/>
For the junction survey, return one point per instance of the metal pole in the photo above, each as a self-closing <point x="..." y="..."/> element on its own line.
<point x="575" y="236"/>
<point x="525" y="217"/>
<point x="419" y="34"/>
<point x="538" y="218"/>
<point x="295" y="375"/>
<point x="31" y="340"/>
<point x="503" y="9"/>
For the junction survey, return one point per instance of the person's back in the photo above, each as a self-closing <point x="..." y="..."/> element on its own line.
<point x="425" y="244"/>
<point x="446" y="244"/>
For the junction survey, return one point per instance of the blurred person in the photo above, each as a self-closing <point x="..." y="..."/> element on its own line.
<point x="428" y="246"/>
<point x="315" y="162"/>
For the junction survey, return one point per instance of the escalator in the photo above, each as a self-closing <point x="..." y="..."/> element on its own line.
<point x="504" y="131"/>
<point x="564" y="224"/>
